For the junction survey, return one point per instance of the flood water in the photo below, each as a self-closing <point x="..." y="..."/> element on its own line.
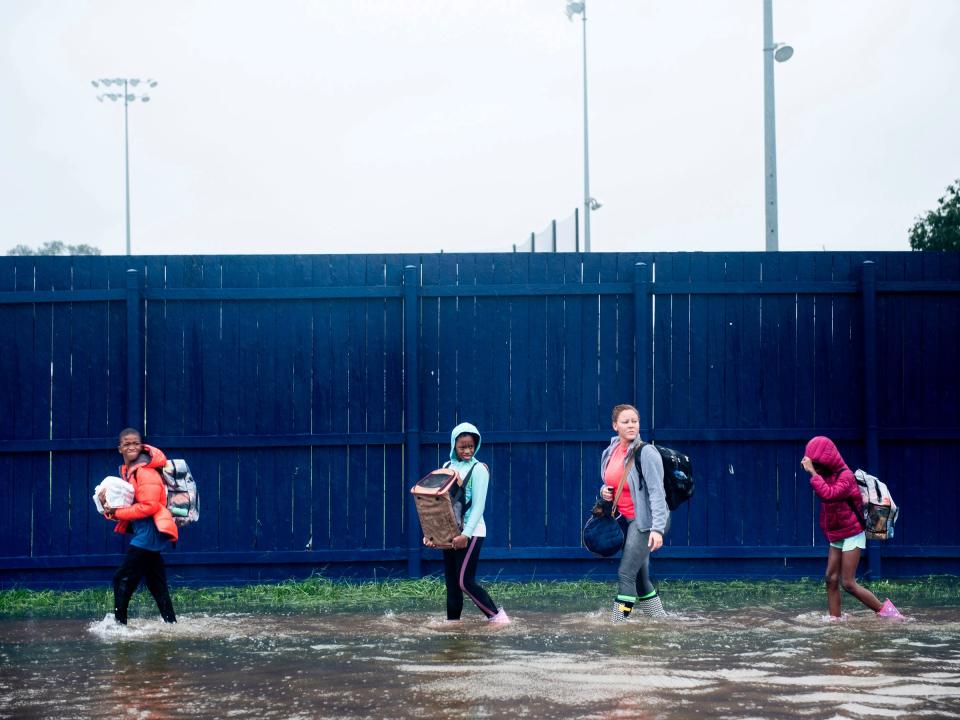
<point x="745" y="663"/>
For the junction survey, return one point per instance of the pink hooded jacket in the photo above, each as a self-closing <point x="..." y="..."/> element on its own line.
<point x="836" y="488"/>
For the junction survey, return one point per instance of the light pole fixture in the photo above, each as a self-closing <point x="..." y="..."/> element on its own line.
<point x="580" y="8"/>
<point x="128" y="97"/>
<point x="781" y="53"/>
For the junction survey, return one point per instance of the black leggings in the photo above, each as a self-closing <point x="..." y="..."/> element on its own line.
<point x="147" y="565"/>
<point x="460" y="574"/>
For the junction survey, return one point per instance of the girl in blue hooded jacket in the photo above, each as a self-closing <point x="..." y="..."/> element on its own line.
<point x="460" y="563"/>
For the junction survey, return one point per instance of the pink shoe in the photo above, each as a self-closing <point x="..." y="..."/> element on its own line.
<point x="888" y="610"/>
<point x="500" y="618"/>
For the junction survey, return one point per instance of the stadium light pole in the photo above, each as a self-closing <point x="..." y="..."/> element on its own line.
<point x="781" y="53"/>
<point x="589" y="204"/>
<point x="127" y="97"/>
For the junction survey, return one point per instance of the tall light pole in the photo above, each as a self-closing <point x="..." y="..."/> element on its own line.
<point x="127" y="97"/>
<point x="781" y="53"/>
<point x="589" y="204"/>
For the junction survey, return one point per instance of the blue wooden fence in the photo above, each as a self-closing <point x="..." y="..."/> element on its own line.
<point x="308" y="392"/>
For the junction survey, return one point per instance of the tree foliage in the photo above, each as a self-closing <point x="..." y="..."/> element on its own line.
<point x="55" y="247"/>
<point x="939" y="229"/>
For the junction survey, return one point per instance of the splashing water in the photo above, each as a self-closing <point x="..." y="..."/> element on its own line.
<point x="744" y="663"/>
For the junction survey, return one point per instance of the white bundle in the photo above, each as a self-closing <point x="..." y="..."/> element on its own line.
<point x="119" y="493"/>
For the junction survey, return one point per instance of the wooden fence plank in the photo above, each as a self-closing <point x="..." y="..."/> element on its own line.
<point x="706" y="472"/>
<point x="31" y="379"/>
<point x="62" y="342"/>
<point x="157" y="354"/>
<point x="750" y="370"/>
<point x="292" y="376"/>
<point x="376" y="472"/>
<point x="77" y="482"/>
<point x="172" y="342"/>
<point x="192" y="330"/>
<point x="737" y="486"/>
<point x="714" y="331"/>
<point x="608" y="388"/>
<point x="845" y="410"/>
<point x="492" y="327"/>
<point x="537" y="408"/>
<point x="890" y="356"/>
<point x="526" y="479"/>
<point x="590" y="412"/>
<point x="496" y="515"/>
<point x="9" y="360"/>
<point x="578" y="478"/>
<point x="623" y="380"/>
<point x="397" y="478"/>
<point x="90" y="345"/>
<point x="51" y="410"/>
<point x="241" y="475"/>
<point x="688" y="407"/>
<point x="771" y="353"/>
<point x="469" y="399"/>
<point x="491" y="351"/>
<point x="210" y="348"/>
<point x="357" y="400"/>
<point x="431" y="348"/>
<point x="116" y="357"/>
<point x="562" y="487"/>
<point x="346" y="511"/>
<point x="452" y="344"/>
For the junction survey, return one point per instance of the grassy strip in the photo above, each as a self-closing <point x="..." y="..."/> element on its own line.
<point x="324" y="594"/>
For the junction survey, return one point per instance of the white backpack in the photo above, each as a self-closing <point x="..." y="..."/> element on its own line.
<point x="880" y="512"/>
<point x="183" y="501"/>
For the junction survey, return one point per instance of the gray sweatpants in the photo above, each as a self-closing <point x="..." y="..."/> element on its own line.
<point x="634" y="570"/>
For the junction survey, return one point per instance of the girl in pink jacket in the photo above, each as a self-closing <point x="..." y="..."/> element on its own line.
<point x="841" y="508"/>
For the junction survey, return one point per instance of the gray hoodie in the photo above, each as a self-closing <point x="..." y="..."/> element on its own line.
<point x="650" y="500"/>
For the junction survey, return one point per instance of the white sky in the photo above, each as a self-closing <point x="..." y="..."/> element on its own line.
<point x="297" y="126"/>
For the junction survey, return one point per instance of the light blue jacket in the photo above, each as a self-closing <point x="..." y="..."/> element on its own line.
<point x="476" y="495"/>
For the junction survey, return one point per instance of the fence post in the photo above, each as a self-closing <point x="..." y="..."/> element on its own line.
<point x="641" y="343"/>
<point x="576" y="229"/>
<point x="870" y="389"/>
<point x="411" y="376"/>
<point x="134" y="352"/>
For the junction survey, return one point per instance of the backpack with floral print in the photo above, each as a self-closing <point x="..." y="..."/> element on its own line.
<point x="183" y="502"/>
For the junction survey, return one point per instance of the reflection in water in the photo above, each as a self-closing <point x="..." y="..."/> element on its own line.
<point x="748" y="663"/>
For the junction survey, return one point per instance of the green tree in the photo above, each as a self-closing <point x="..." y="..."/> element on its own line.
<point x="939" y="229"/>
<point x="55" y="247"/>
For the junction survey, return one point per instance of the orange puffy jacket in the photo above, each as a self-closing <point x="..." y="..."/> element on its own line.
<point x="149" y="494"/>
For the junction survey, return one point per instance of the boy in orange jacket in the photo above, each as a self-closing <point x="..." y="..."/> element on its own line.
<point x="150" y="523"/>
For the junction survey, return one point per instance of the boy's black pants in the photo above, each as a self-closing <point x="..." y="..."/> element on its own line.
<point x="147" y="565"/>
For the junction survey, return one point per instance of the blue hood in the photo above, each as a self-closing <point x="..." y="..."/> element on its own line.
<point x="460" y="430"/>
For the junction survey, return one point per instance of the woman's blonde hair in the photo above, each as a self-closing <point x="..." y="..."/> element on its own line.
<point x="617" y="409"/>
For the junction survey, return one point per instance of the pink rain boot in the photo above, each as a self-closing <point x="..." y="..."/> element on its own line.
<point x="500" y="618"/>
<point x="888" y="610"/>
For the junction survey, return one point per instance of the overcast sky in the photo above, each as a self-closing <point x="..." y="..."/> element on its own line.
<point x="301" y="126"/>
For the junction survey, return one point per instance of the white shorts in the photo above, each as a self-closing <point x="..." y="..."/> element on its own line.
<point x="848" y="544"/>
